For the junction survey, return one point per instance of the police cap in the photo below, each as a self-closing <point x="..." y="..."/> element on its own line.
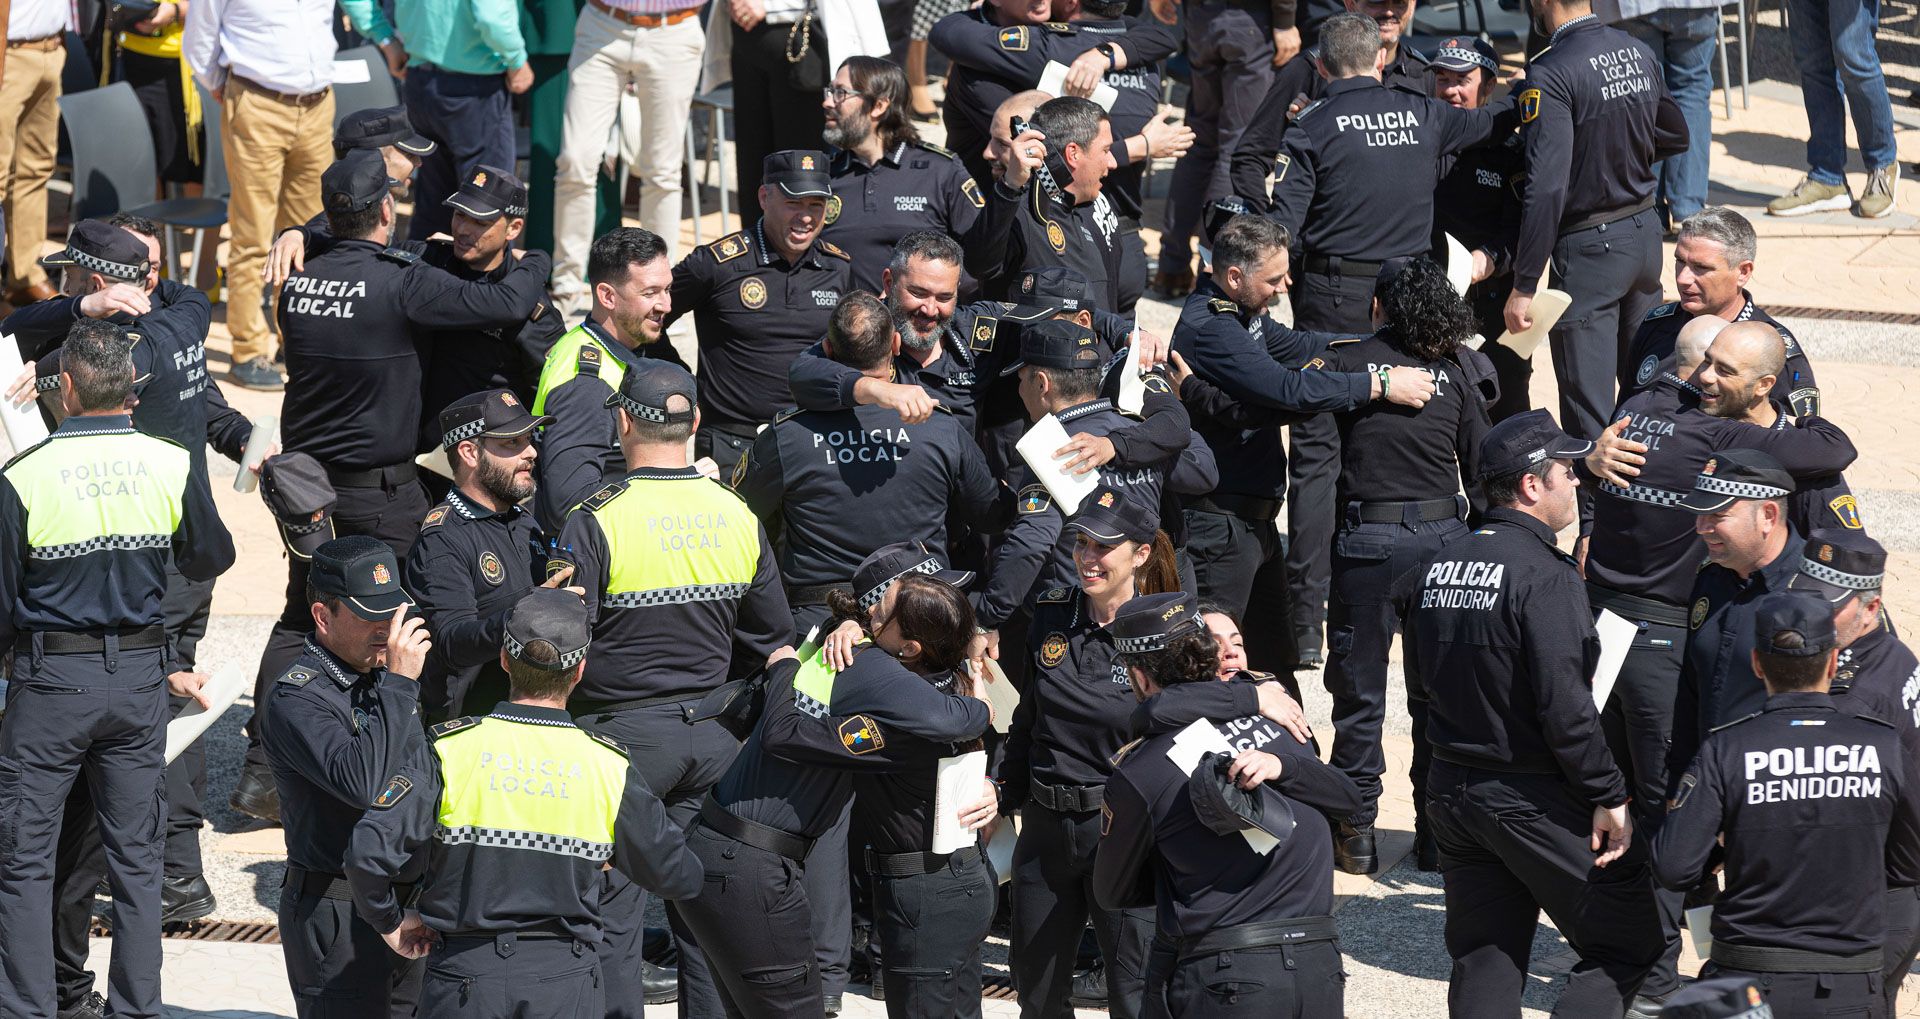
<point x="1720" y="998"/>
<point x="98" y="246"/>
<point x="355" y="181"/>
<point x="1463" y="54"/>
<point x="1524" y="440"/>
<point x="1111" y="516"/>
<point x="1219" y="212"/>
<point x="647" y="386"/>
<point x="552" y="615"/>
<point x="1837" y="564"/>
<point x="494" y="414"/>
<point x="379" y="126"/>
<point x="489" y="193"/>
<point x="1225" y="808"/>
<point x="363" y="572"/>
<point x="1151" y="622"/>
<point x="1807" y="617"/>
<point x="1058" y="343"/>
<point x="296" y="490"/>
<point x="798" y="172"/>
<point x="891" y="562"/>
<point x="1046" y="291"/>
<point x="1736" y="474"/>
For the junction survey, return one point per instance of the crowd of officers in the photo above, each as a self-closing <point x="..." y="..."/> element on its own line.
<point x="717" y="638"/>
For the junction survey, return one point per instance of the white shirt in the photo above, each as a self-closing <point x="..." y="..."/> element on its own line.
<point x="38" y="19"/>
<point x="284" y="45"/>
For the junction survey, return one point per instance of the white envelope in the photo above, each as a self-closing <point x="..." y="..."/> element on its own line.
<point x="1133" y="385"/>
<point x="1616" y="639"/>
<point x="956" y="783"/>
<point x="1036" y="448"/>
<point x="1459" y="265"/>
<point x="1548" y="306"/>
<point x="1053" y="80"/>
<point x="222" y="689"/>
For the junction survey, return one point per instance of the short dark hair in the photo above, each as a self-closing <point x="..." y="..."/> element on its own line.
<point x="937" y="615"/>
<point x="1349" y="44"/>
<point x="99" y="359"/>
<point x="1504" y="490"/>
<point x="136" y="224"/>
<point x="1074" y="383"/>
<point x="860" y="333"/>
<point x="1068" y="120"/>
<point x="931" y="245"/>
<point x="1192" y="657"/>
<point x="1246" y="241"/>
<point x="1792" y="672"/>
<point x="875" y="79"/>
<point x="537" y="680"/>
<point x="660" y="433"/>
<point x="357" y="224"/>
<point x="315" y="596"/>
<point x="1209" y="607"/>
<point x="1426" y="317"/>
<point x="616" y="251"/>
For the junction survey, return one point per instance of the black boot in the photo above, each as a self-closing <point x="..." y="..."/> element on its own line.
<point x="1426" y="852"/>
<point x="1089" y="989"/>
<point x="1353" y="850"/>
<point x="660" y="985"/>
<point x="256" y="795"/>
<point x="185" y="898"/>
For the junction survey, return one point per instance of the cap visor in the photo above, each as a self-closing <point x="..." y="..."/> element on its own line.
<point x="1012" y="368"/>
<point x="1566" y="447"/>
<point x="1827" y="592"/>
<point x="1031" y="313"/>
<point x="1704" y="502"/>
<point x="1453" y="65"/>
<point x="417" y="145"/>
<point x="531" y="424"/>
<point x="58" y="258"/>
<point x="473" y="205"/>
<point x="302" y="546"/>
<point x="806" y="190"/>
<point x="1105" y="531"/>
<point x="377" y="607"/>
<point x="958" y="578"/>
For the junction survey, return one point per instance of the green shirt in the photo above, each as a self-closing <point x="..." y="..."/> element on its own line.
<point x="464" y="36"/>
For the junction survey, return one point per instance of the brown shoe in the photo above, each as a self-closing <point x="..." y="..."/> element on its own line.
<point x="1172" y="282"/>
<point x="23" y="296"/>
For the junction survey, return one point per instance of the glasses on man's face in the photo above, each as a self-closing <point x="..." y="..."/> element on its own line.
<point x="837" y="95"/>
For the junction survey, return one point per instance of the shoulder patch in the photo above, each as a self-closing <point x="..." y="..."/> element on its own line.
<point x="435" y="517"/>
<point x="297" y="676"/>
<point x="1698" y="615"/>
<point x="1154" y="383"/>
<point x="1737" y="721"/>
<point x="1014" y="39"/>
<point x="605" y="742"/>
<point x="588" y="360"/>
<point x="740" y="469"/>
<point x="835" y="250"/>
<point x="604" y="496"/>
<point x="1054" y="595"/>
<point x="861" y="735"/>
<point x="1222" y="306"/>
<point x="451" y="726"/>
<point x="1846" y="509"/>
<point x="1121" y="754"/>
<point x="935" y="149"/>
<point x="1530" y="104"/>
<point x="972" y="192"/>
<point x="1035" y="499"/>
<point x="984" y="329"/>
<point x="400" y="255"/>
<point x="1662" y="311"/>
<point x="1060" y="28"/>
<point x="1317" y="364"/>
<point x="396" y="790"/>
<point x="730" y="247"/>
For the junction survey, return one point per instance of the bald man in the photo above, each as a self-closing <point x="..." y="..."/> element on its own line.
<point x="999" y="140"/>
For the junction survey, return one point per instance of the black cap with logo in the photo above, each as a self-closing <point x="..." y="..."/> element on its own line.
<point x="381" y="125"/>
<point x="361" y="571"/>
<point x="1736" y="474"/>
<point x="1226" y="809"/>
<point x="554" y="616"/>
<point x="1793" y="623"/>
<point x="1463" y="53"/>
<point x="1151" y="621"/>
<point x="494" y="414"/>
<point x="298" y="493"/>
<point x="98" y="246"/>
<point x="489" y="193"/>
<point x="1061" y="344"/>
<point x="891" y="562"/>
<point x="355" y="181"/>
<point x="1111" y="516"/>
<point x="798" y="172"/>
<point x="647" y="386"/>
<point x="1837" y="564"/>
<point x="1219" y="213"/>
<point x="1526" y="439"/>
<point x="1046" y="291"/>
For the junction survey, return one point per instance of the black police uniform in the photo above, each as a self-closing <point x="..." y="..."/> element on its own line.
<point x="915" y="185"/>
<point x="757" y="829"/>
<point x="1041" y="225"/>
<point x="1501" y="641"/>
<point x="1652" y="354"/>
<point x="757" y="311"/>
<point x="958" y="375"/>
<point x="1478" y="203"/>
<point x="972" y="96"/>
<point x="468" y="567"/>
<point x="1597" y="117"/>
<point x="1229" y="46"/>
<point x="1398" y="477"/>
<point x="1253" y="360"/>
<point x="1796" y="781"/>
<point x="83" y="573"/>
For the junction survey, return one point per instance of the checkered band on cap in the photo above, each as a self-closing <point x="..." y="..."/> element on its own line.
<point x="540" y="842"/>
<point x="118" y="270"/>
<point x="1644" y="493"/>
<point x="1466" y="53"/>
<point x="874" y="594"/>
<point x="1157" y="641"/>
<point x="1828" y="575"/>
<point x="461" y="433"/>
<point x="568" y="659"/>
<point x="644" y="412"/>
<point x="1737" y="489"/>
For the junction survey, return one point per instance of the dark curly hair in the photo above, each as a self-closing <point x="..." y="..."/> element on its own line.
<point x="1426" y="318"/>
<point x="1191" y="657"/>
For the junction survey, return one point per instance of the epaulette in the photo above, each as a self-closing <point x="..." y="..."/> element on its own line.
<point x="833" y="249"/>
<point x="605" y="742"/>
<point x="435" y="517"/>
<point x="1344" y="341"/>
<point x="297" y="676"/>
<point x="1222" y="306"/>
<point x="1309" y="108"/>
<point x="603" y="496"/>
<point x="1737" y="721"/>
<point x="786" y="414"/>
<point x="1060" y="28"/>
<point x="1054" y="596"/>
<point x="730" y="247"/>
<point x="22" y="455"/>
<point x="1121" y="754"/>
<point x="1876" y="721"/>
<point x="1663" y="310"/>
<point x="1259" y="677"/>
<point x="452" y="725"/>
<point x="984" y="329"/>
<point x="1415" y="54"/>
<point x="400" y="255"/>
<point x="936" y="149"/>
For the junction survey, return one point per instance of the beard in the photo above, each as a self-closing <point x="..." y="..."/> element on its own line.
<point x="849" y="132"/>
<point x="911" y="338"/>
<point x="501" y="481"/>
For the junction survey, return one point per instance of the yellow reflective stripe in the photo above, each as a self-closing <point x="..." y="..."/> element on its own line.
<point x="563" y="363"/>
<point x="90" y="493"/>
<point x="813" y="685"/>
<point x="545" y="788"/>
<point x="676" y="541"/>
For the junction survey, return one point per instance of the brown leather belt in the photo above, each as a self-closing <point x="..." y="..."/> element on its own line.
<point x="310" y="99"/>
<point x="46" y="44"/>
<point x="644" y="20"/>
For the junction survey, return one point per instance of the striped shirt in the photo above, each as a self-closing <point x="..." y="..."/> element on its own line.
<point x="654" y="6"/>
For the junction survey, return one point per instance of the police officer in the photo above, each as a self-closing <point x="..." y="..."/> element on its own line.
<point x="1398" y="478"/>
<point x="974" y="99"/>
<point x="478" y="552"/>
<point x="509" y="919"/>
<point x="1874" y="676"/>
<point x="580" y="445"/>
<point x="1596" y="117"/>
<point x="1230" y="342"/>
<point x="1796" y="781"/>
<point x="1227" y="913"/>
<point x="888" y="182"/>
<point x="344" y="718"/>
<point x="83" y="573"/>
<point x="828" y="486"/>
<point x="1739" y="504"/>
<point x="763" y="295"/>
<point x="386" y="130"/>
<point x="1712" y="263"/>
<point x="1501" y="642"/>
<point x="757" y="831"/>
<point x="684" y="593"/>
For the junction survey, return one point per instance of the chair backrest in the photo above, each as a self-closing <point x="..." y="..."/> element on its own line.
<point x="113" y="166"/>
<point x="376" y="91"/>
<point x="213" y="154"/>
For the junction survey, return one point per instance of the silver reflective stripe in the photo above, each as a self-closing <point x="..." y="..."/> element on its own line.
<point x="1644" y="493"/>
<point x="502" y="838"/>
<point x="673" y="596"/>
<point x="115" y="542"/>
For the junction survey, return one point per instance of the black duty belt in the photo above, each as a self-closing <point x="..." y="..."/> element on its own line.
<point x="1754" y="959"/>
<point x="1301" y="931"/>
<point x="814" y="594"/>
<point x="1246" y="507"/>
<point x="373" y="477"/>
<point x="88" y="642"/>
<point x="1452" y="756"/>
<point x="1405" y="512"/>
<point x="1635" y="607"/>
<point x="607" y="707"/>
<point x="753" y="833"/>
<point x="1067" y="799"/>
<point x="1334" y="265"/>
<point x="1605" y="218"/>
<point x="333" y="886"/>
<point x="738" y="431"/>
<point x="916" y="864"/>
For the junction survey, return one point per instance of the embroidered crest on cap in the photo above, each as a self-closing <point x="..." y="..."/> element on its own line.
<point x="380" y="574"/>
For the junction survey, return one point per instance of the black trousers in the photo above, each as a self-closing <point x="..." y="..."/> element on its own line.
<point x="1488" y="298"/>
<point x="753" y="919"/>
<point x="931" y="927"/>
<point x="1612" y="272"/>
<point x="1903" y="942"/>
<point x="1279" y="981"/>
<point x="1052" y="901"/>
<point x="829" y="886"/>
<point x="1242" y="565"/>
<point x="508" y="977"/>
<point x="97" y="719"/>
<point x="390" y="514"/>
<point x="680" y="762"/>
<point x="1794" y="995"/>
<point x="1230" y="49"/>
<point x="726" y="448"/>
<point x="470" y="119"/>
<point x="776" y="104"/>
<point x="337" y="964"/>
<point x="1361" y="622"/>
<point x="1512" y="845"/>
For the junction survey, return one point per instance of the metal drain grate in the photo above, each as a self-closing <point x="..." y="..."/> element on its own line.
<point x="209" y="930"/>
<point x="1896" y="318"/>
